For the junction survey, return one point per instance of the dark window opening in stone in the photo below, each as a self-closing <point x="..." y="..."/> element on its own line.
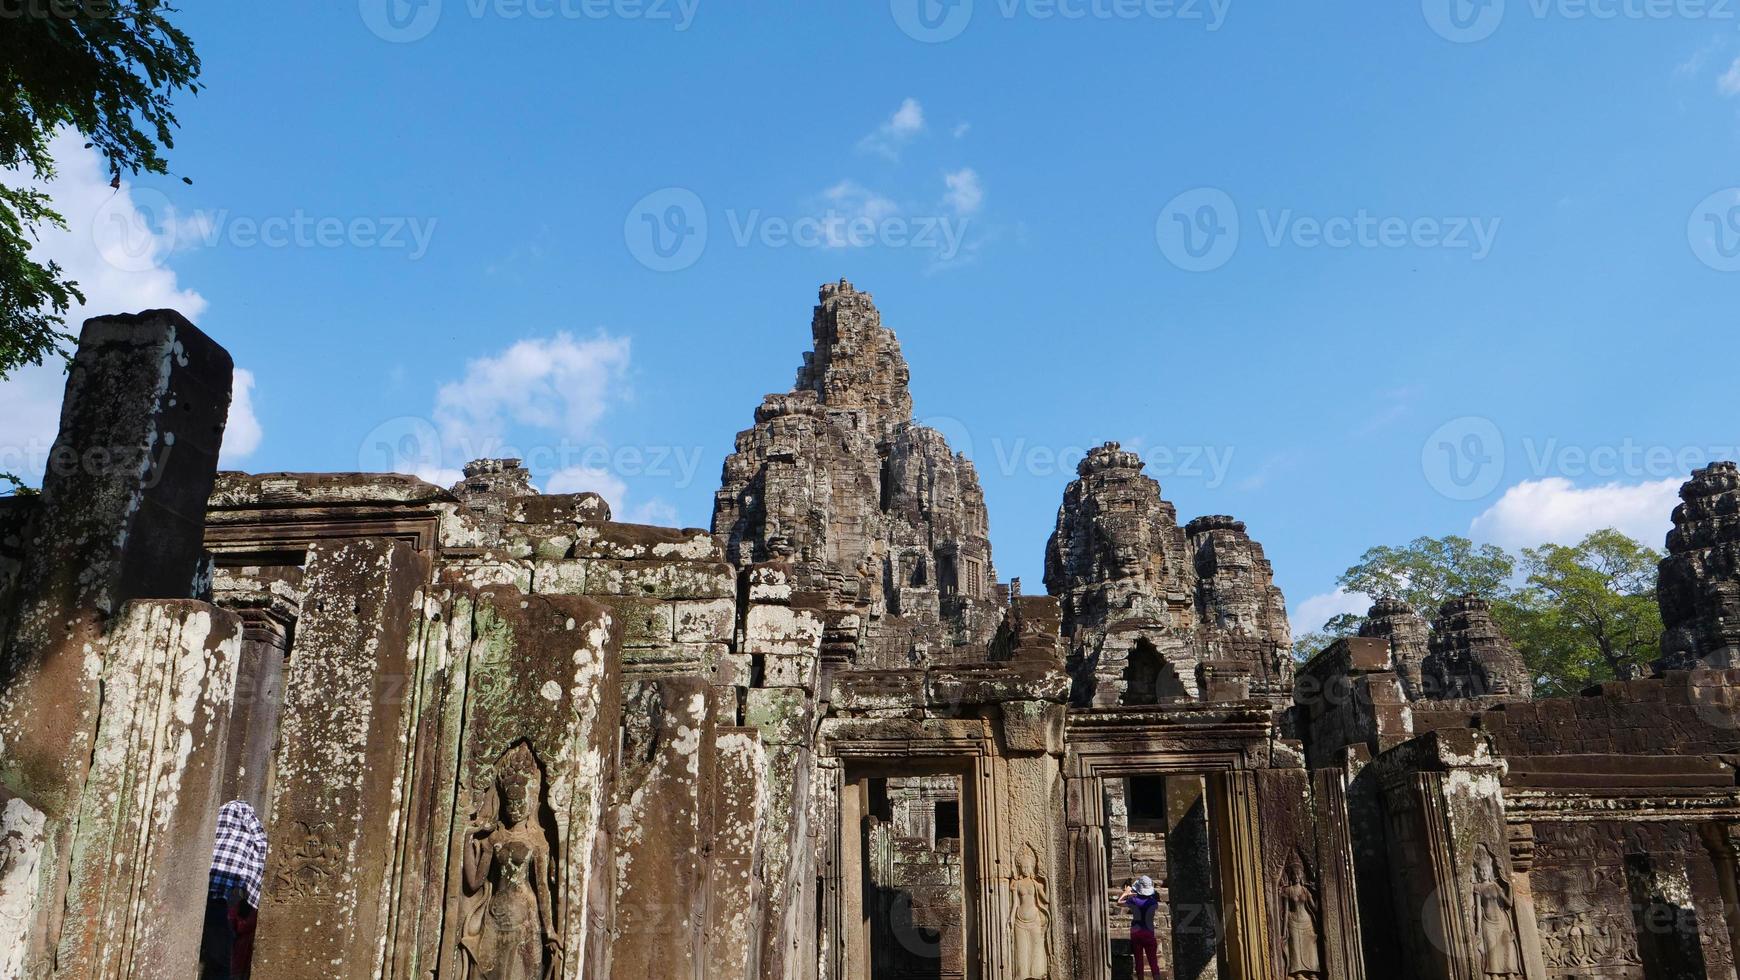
<point x="1148" y="802"/>
<point x="948" y="820"/>
<point x="1142" y="675"/>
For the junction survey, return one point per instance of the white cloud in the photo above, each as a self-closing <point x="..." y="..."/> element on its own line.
<point x="1313" y="613"/>
<point x="906" y="123"/>
<point x="965" y="192"/>
<point x="242" y="433"/>
<point x="1536" y="512"/>
<point x="589" y="479"/>
<point x="1729" y="83"/>
<point x="554" y="383"/>
<point x="857" y="201"/>
<point x="846" y="206"/>
<point x="961" y="129"/>
<point x="584" y="479"/>
<point x="115" y="246"/>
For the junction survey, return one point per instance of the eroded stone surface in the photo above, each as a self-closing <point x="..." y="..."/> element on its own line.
<point x="820" y="741"/>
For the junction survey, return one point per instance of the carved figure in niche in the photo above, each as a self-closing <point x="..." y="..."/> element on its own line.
<point x="312" y="862"/>
<point x="1031" y="923"/>
<point x="508" y="931"/>
<point x="1300" y="933"/>
<point x="1492" y="918"/>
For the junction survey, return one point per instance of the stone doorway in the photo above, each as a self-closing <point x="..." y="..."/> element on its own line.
<point x="1158" y="825"/>
<point x="911" y="876"/>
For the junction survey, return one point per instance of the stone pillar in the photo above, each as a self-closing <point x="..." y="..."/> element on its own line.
<point x="259" y="705"/>
<point x="335" y="812"/>
<point x="1088" y="927"/>
<point x="121" y="517"/>
<point x="734" y="899"/>
<point x="1244" y="909"/>
<point x="854" y="921"/>
<point x="1449" y="851"/>
<point x="1528" y="932"/>
<point x="664" y="799"/>
<point x="141" y="852"/>
<point x="1723" y="841"/>
<point x="1343" y="940"/>
<point x="1196" y="916"/>
<point x="540" y="684"/>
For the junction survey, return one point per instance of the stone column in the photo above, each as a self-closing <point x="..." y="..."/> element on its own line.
<point x="1528" y="932"/>
<point x="734" y="898"/>
<point x="1195" y="939"/>
<point x="259" y="705"/>
<point x="141" y="852"/>
<point x="854" y="920"/>
<point x="1343" y="942"/>
<point x="335" y="810"/>
<point x="1244" y="910"/>
<point x="1089" y="928"/>
<point x="121" y="517"/>
<point x="1723" y="841"/>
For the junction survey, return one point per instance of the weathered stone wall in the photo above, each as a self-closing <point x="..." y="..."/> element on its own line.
<point x="662" y="748"/>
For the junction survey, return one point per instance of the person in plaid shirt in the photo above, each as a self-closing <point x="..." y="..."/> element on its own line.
<point x="238" y="862"/>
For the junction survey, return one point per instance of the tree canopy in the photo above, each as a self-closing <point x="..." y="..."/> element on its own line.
<point x="108" y="70"/>
<point x="1578" y="614"/>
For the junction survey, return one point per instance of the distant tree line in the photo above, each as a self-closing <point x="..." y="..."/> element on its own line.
<point x="1578" y="614"/>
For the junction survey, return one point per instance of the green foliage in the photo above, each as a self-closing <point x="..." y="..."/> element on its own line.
<point x="1588" y="613"/>
<point x="1308" y="645"/>
<point x="106" y="69"/>
<point x="1582" y="614"/>
<point x="1426" y="572"/>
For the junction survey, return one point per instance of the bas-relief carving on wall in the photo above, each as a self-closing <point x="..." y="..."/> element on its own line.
<point x="508" y="928"/>
<point x="1583" y="937"/>
<point x="1301" y="933"/>
<point x="1031" y="922"/>
<point x="1494" y="922"/>
<point x="312" y="864"/>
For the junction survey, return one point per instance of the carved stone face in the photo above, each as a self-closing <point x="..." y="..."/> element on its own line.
<point x="516" y="806"/>
<point x="1024" y="863"/>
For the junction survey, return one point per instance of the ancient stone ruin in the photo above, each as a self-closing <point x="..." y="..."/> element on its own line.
<point x="494" y="734"/>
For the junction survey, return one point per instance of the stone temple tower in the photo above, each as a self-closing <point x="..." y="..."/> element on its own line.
<point x="1155" y="611"/>
<point x="869" y="508"/>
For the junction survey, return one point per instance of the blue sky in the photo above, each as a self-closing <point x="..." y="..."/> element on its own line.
<point x="431" y="233"/>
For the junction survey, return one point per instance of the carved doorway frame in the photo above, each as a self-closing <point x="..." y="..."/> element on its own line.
<point x="1226" y="753"/>
<point x="947" y="747"/>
